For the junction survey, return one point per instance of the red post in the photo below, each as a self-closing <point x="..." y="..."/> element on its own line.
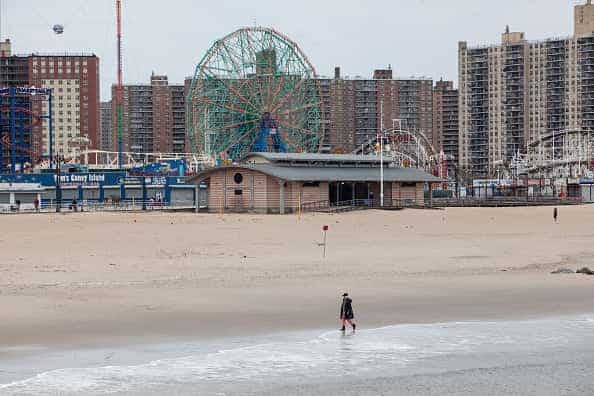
<point x="325" y="230"/>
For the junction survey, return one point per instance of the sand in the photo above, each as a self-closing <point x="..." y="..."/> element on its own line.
<point x="103" y="278"/>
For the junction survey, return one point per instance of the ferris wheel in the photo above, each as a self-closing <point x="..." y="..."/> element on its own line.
<point x="254" y="90"/>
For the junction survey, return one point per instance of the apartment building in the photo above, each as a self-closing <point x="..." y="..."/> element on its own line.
<point x="105" y="136"/>
<point x="355" y="109"/>
<point x="74" y="80"/>
<point x="153" y="117"/>
<point x="518" y="91"/>
<point x="445" y="119"/>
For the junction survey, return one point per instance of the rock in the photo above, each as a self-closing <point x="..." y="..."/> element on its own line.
<point x="563" y="271"/>
<point x="585" y="270"/>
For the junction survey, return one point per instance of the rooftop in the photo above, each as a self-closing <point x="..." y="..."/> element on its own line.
<point x="329" y="173"/>
<point x="313" y="159"/>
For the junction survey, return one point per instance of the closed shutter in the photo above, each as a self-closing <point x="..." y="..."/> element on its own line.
<point x="182" y="196"/>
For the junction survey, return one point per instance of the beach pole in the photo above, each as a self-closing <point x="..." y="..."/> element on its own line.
<point x="325" y="230"/>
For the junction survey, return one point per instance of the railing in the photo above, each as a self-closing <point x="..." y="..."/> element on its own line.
<point x="315" y="206"/>
<point x="505" y="201"/>
<point x="355" y="204"/>
<point x="95" y="206"/>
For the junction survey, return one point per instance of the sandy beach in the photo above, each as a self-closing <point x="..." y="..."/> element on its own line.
<point x="100" y="279"/>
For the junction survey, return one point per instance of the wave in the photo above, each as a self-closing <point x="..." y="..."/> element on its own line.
<point x="326" y="356"/>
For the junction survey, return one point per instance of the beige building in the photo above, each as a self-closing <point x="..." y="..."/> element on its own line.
<point x="519" y="91"/>
<point x="284" y="182"/>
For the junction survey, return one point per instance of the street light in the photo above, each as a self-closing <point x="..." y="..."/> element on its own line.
<point x="58" y="185"/>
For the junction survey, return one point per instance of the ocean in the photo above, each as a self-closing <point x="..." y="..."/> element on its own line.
<point x="548" y="356"/>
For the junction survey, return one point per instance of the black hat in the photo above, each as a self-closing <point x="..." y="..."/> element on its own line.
<point x="345" y="294"/>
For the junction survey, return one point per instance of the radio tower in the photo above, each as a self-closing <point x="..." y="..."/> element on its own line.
<point x="119" y="88"/>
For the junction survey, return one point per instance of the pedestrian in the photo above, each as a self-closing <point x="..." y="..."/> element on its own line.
<point x="346" y="312"/>
<point x="555" y="214"/>
<point x="36" y="204"/>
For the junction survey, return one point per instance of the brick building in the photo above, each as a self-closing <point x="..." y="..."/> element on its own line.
<point x="445" y="119"/>
<point x="74" y="80"/>
<point x="352" y="107"/>
<point x="106" y="135"/>
<point x="153" y="117"/>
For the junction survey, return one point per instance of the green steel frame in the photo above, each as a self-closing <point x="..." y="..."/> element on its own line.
<point x="244" y="75"/>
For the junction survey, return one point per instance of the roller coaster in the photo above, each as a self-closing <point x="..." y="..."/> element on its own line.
<point x="566" y="153"/>
<point x="406" y="149"/>
<point x="21" y="118"/>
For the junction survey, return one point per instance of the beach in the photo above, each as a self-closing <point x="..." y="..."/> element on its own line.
<point x="107" y="280"/>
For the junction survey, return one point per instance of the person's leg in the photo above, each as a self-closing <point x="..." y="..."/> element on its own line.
<point x="343" y="322"/>
<point x="353" y="325"/>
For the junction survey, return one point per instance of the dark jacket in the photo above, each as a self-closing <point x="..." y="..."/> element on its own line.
<point x="346" y="308"/>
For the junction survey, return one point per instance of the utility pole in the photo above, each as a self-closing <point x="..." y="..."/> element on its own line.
<point x="381" y="136"/>
<point x="119" y="86"/>
<point x="58" y="184"/>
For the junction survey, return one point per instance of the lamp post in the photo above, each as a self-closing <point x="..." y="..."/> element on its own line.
<point x="382" y="169"/>
<point x="58" y="185"/>
<point x="381" y="147"/>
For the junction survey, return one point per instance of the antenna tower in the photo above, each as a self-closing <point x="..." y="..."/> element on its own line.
<point x="119" y="86"/>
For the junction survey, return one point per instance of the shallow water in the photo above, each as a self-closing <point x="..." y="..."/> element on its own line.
<point x="546" y="356"/>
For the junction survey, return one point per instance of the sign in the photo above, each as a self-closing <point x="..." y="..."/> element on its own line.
<point x="92" y="179"/>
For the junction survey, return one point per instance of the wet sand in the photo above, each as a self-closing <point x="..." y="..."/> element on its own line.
<point x="101" y="279"/>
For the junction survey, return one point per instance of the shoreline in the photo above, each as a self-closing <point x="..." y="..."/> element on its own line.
<point x="373" y="308"/>
<point x="50" y="367"/>
<point x="106" y="279"/>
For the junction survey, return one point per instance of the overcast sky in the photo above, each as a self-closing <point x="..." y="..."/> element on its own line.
<point x="416" y="37"/>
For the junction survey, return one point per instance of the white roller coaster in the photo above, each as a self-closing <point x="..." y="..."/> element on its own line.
<point x="566" y="153"/>
<point x="101" y="159"/>
<point x="407" y="149"/>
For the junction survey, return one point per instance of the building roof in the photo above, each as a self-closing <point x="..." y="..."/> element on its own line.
<point x="314" y="157"/>
<point x="319" y="174"/>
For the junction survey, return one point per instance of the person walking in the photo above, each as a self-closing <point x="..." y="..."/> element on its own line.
<point x="346" y="312"/>
<point x="555" y="214"/>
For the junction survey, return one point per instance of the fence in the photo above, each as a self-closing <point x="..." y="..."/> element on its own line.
<point x="130" y="205"/>
<point x="505" y="201"/>
<point x="354" y="204"/>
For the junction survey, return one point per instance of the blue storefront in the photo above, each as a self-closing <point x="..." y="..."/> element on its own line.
<point x="109" y="187"/>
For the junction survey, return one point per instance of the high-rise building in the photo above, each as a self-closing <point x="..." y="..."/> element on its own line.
<point x="356" y="109"/>
<point x="519" y="91"/>
<point x="74" y="80"/>
<point x="445" y="119"/>
<point x="352" y="108"/>
<point x="105" y="138"/>
<point x="153" y="117"/>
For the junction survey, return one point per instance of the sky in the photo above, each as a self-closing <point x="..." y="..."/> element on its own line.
<point x="416" y="37"/>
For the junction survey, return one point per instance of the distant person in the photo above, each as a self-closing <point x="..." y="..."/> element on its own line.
<point x="370" y="198"/>
<point x="18" y="205"/>
<point x="36" y="204"/>
<point x="346" y="312"/>
<point x="73" y="205"/>
<point x="555" y="214"/>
